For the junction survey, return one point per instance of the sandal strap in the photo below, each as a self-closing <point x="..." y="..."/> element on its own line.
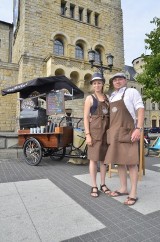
<point x="93" y="189"/>
<point x="106" y="190"/>
<point x="94" y="192"/>
<point x="132" y="199"/>
<point x="104" y="185"/>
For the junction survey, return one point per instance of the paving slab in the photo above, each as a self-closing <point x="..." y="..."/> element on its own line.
<point x="148" y="190"/>
<point x="18" y="228"/>
<point x="64" y="223"/>
<point x="48" y="213"/>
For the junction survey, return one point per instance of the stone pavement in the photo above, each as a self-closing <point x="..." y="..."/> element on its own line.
<point x="51" y="203"/>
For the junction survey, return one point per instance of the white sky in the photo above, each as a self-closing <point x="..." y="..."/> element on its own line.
<point x="136" y="22"/>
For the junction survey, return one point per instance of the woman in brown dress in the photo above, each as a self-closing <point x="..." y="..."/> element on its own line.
<point x="96" y="121"/>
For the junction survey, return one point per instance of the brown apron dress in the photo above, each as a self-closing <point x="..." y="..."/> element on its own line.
<point x="99" y="123"/>
<point x="121" y="150"/>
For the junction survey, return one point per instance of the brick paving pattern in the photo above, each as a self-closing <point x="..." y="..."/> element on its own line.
<point x="122" y="223"/>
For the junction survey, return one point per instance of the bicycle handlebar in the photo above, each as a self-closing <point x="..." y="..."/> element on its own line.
<point x="81" y="137"/>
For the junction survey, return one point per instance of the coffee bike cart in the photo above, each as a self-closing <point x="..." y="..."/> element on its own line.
<point x="43" y="132"/>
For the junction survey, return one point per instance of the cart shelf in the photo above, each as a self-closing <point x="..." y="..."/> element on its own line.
<point x="60" y="138"/>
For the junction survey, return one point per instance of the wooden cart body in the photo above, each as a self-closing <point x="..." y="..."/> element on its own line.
<point x="62" y="137"/>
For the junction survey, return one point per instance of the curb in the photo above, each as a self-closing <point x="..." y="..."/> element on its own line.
<point x="10" y="153"/>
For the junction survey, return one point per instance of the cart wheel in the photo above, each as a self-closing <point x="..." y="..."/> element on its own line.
<point x="58" y="154"/>
<point x="32" y="152"/>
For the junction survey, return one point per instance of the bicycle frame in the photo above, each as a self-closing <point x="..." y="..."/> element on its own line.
<point x="82" y="154"/>
<point x="73" y="152"/>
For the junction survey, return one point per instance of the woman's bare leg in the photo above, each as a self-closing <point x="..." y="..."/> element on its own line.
<point x="102" y="172"/>
<point x="93" y="174"/>
<point x="104" y="188"/>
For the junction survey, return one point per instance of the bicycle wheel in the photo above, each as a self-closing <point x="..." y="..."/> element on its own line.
<point x="32" y="152"/>
<point x="85" y="152"/>
<point x="77" y="153"/>
<point x="146" y="149"/>
<point x="58" y="154"/>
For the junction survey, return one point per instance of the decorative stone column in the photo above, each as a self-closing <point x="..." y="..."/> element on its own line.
<point x="68" y="9"/>
<point x="76" y="12"/>
<point x="93" y="18"/>
<point x="85" y="15"/>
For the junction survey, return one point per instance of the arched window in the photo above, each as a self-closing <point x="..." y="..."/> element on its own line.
<point x="58" y="47"/>
<point x="97" y="56"/>
<point x="79" y="52"/>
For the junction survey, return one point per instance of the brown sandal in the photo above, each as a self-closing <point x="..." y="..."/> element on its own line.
<point x="132" y="200"/>
<point x="94" y="192"/>
<point x="106" y="191"/>
<point x="118" y="194"/>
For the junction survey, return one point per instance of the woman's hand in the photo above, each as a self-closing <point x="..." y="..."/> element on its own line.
<point x="89" y="140"/>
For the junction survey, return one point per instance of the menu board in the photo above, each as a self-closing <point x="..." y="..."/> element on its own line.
<point x="55" y="102"/>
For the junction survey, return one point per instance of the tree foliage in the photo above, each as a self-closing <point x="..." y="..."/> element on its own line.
<point x="150" y="78"/>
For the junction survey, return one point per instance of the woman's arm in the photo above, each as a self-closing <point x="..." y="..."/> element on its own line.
<point x="87" y="105"/>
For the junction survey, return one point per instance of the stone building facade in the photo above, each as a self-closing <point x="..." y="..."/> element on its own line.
<point x="6" y="36"/>
<point x="53" y="38"/>
<point x="8" y="77"/>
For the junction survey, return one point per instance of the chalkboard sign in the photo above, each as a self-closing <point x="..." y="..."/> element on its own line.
<point x="55" y="102"/>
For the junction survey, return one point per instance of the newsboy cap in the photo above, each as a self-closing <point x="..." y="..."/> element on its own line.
<point x="97" y="76"/>
<point x="120" y="74"/>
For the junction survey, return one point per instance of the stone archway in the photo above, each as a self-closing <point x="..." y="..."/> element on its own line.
<point x="74" y="77"/>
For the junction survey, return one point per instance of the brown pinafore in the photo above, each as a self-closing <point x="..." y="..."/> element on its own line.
<point x="121" y="150"/>
<point x="99" y="123"/>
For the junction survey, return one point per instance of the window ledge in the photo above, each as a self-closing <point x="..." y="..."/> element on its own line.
<point x="80" y="21"/>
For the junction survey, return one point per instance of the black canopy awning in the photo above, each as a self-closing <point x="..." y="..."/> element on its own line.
<point x="44" y="85"/>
